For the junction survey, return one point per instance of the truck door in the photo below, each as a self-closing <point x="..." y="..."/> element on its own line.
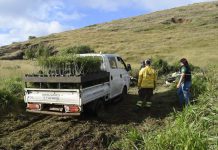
<point x="115" y="82"/>
<point x="123" y="73"/>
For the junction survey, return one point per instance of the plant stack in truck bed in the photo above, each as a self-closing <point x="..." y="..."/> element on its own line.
<point x="69" y="72"/>
<point x="73" y="65"/>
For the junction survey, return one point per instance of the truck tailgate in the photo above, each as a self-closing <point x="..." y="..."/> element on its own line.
<point x="52" y="96"/>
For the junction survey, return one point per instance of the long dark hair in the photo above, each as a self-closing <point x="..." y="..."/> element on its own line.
<point x="185" y="62"/>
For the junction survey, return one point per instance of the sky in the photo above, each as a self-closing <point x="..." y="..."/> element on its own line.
<point x="20" y="19"/>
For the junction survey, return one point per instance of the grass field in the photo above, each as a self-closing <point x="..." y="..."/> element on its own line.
<point x="16" y="68"/>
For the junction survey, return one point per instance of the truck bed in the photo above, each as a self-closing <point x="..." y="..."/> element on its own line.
<point x="58" y="98"/>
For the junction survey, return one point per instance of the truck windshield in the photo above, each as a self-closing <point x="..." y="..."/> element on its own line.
<point x="112" y="62"/>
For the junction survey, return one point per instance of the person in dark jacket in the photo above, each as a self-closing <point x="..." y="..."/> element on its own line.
<point x="184" y="83"/>
<point x="142" y="64"/>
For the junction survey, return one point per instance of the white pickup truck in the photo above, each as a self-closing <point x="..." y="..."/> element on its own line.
<point x="112" y="83"/>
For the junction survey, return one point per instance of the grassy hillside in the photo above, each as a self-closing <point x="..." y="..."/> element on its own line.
<point x="189" y="31"/>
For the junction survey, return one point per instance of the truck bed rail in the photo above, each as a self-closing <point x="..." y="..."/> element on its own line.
<point x="68" y="79"/>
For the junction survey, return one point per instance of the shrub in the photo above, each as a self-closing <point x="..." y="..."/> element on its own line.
<point x="43" y="51"/>
<point x="37" y="51"/>
<point x="31" y="37"/>
<point x="161" y="66"/>
<point x="6" y="100"/>
<point x="30" y="53"/>
<point x="199" y="85"/>
<point x="14" y="86"/>
<point x="176" y="65"/>
<point x="83" y="49"/>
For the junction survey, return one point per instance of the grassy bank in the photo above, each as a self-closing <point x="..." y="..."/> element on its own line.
<point x="193" y="128"/>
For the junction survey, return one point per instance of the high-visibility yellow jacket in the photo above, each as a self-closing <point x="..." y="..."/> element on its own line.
<point x="147" y="78"/>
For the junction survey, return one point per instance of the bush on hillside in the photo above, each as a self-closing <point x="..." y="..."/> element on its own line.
<point x="14" y="86"/>
<point x="31" y="37"/>
<point x="161" y="66"/>
<point x="176" y="65"/>
<point x="30" y="53"/>
<point x="40" y="50"/>
<point x="83" y="49"/>
<point x="6" y="100"/>
<point x="43" y="51"/>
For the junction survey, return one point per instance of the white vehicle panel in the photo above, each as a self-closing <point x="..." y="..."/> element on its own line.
<point x="94" y="92"/>
<point x="52" y="96"/>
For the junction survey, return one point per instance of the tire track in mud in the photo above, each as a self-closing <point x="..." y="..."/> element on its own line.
<point x="85" y="139"/>
<point x="45" y="132"/>
<point x="20" y="127"/>
<point x="82" y="133"/>
<point x="23" y="136"/>
<point x="75" y="129"/>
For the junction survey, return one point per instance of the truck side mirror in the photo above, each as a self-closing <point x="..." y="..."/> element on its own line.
<point x="128" y="67"/>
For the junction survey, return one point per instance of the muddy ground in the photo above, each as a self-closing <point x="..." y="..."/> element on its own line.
<point x="31" y="131"/>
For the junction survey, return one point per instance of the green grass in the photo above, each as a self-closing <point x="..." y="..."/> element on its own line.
<point x="11" y="95"/>
<point x="193" y="128"/>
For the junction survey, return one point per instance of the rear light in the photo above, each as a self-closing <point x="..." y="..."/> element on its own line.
<point x="71" y="108"/>
<point x="32" y="106"/>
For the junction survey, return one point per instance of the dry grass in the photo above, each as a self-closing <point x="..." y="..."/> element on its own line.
<point x="16" y="68"/>
<point x="151" y="35"/>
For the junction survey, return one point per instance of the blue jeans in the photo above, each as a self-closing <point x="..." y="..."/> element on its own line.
<point x="184" y="93"/>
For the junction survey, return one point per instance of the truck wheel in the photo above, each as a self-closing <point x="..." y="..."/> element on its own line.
<point x="123" y="96"/>
<point x="100" y="108"/>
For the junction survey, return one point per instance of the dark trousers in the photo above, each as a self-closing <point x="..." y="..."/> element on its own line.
<point x="145" y="95"/>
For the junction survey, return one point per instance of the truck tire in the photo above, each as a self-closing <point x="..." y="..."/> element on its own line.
<point x="123" y="96"/>
<point x="100" y="108"/>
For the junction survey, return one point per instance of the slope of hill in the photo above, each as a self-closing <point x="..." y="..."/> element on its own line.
<point x="189" y="31"/>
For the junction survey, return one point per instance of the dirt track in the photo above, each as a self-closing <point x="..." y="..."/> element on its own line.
<point x="29" y="131"/>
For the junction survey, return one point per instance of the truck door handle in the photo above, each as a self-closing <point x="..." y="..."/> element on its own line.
<point x="111" y="77"/>
<point x="121" y="76"/>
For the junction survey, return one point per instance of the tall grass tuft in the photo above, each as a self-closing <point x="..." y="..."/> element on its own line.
<point x="7" y="100"/>
<point x="10" y="94"/>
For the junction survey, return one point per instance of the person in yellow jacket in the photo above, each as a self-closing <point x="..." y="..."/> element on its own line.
<point x="146" y="84"/>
